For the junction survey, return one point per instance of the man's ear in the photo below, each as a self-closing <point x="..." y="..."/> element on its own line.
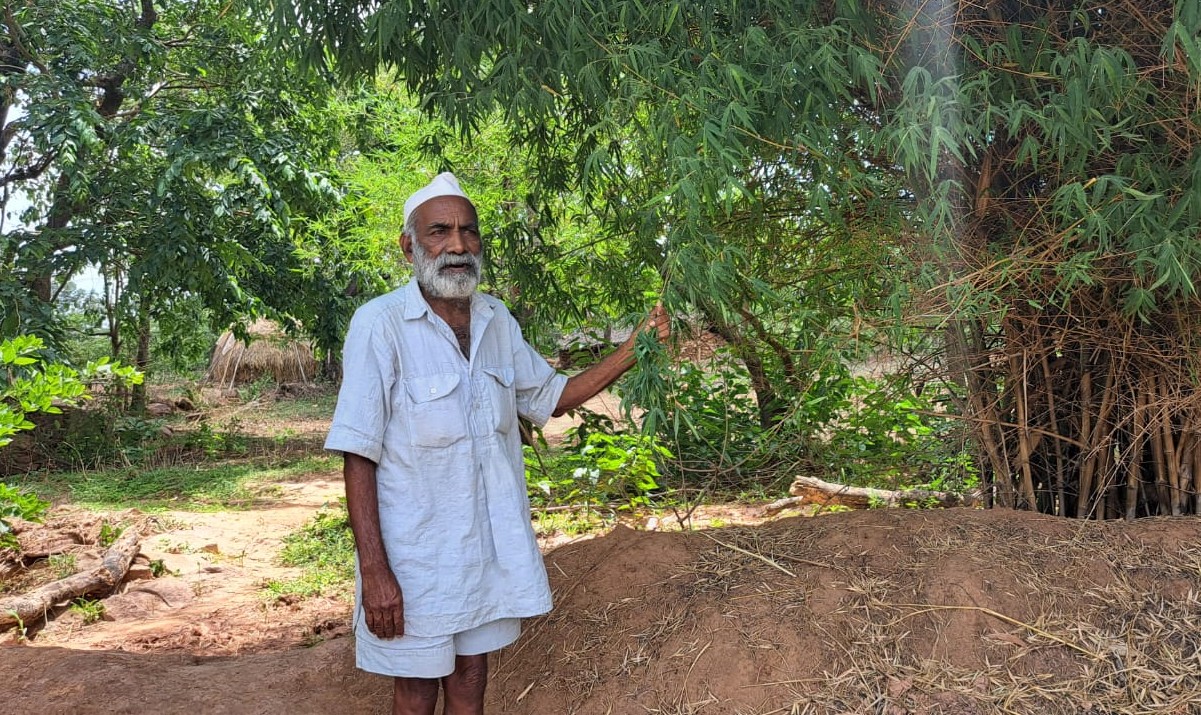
<point x="406" y="245"/>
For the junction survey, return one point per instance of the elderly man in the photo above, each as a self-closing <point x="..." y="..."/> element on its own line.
<point x="435" y="377"/>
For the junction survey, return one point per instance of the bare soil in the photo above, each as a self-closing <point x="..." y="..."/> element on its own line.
<point x="889" y="612"/>
<point x="897" y="611"/>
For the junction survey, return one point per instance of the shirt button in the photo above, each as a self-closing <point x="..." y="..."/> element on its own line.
<point x="433" y="390"/>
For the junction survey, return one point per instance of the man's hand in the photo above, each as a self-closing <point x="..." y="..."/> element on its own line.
<point x="658" y="323"/>
<point x="383" y="605"/>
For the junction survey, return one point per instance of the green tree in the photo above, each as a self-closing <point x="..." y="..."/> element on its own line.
<point x="168" y="146"/>
<point x="552" y="264"/>
<point x="693" y="134"/>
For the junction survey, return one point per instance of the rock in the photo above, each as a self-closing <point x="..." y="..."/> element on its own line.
<point x="146" y="597"/>
<point x="159" y="409"/>
<point x="139" y="572"/>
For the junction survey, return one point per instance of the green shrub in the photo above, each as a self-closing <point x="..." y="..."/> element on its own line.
<point x="324" y="549"/>
<point x="604" y="468"/>
<point x="29" y="384"/>
<point x="20" y="504"/>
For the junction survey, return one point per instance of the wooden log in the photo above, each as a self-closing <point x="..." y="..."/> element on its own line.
<point x="31" y="607"/>
<point x="816" y="491"/>
<point x="780" y="505"/>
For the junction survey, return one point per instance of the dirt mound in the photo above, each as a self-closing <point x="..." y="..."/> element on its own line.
<point x="889" y="612"/>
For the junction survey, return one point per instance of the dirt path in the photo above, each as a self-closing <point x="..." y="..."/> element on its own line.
<point x="213" y="601"/>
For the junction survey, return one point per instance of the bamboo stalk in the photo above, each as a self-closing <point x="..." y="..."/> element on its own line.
<point x="1134" y="460"/>
<point x="1086" y="466"/>
<point x="1096" y="444"/>
<point x="1157" y="456"/>
<point x="1184" y="460"/>
<point x="1021" y="395"/>
<point x="1002" y="474"/>
<point x="1049" y="388"/>
<point x="1113" y="506"/>
<point x="1197" y="480"/>
<point x="1169" y="450"/>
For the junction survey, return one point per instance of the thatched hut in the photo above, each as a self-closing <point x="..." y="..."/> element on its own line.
<point x="269" y="354"/>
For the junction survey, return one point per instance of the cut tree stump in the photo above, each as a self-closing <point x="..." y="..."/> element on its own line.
<point x="33" y="606"/>
<point x="812" y="490"/>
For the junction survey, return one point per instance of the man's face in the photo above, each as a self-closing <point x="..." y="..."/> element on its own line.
<point x="446" y="248"/>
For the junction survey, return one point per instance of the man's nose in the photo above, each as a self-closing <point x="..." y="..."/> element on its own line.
<point x="456" y="241"/>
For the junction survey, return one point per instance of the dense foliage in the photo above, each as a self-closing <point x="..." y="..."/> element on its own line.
<point x="29" y="384"/>
<point x="1034" y="165"/>
<point x="166" y="147"/>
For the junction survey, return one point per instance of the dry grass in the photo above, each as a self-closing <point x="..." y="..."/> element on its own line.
<point x="269" y="354"/>
<point x="1118" y="649"/>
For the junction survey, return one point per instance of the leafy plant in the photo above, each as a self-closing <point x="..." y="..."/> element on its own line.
<point x="63" y="565"/>
<point x="880" y="433"/>
<point x="228" y="438"/>
<point x="109" y="533"/>
<point x="89" y="610"/>
<point x="17" y="503"/>
<point x="324" y="549"/>
<point x="605" y="467"/>
<point x="31" y="384"/>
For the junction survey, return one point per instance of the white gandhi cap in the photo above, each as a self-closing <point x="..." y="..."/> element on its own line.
<point x="444" y="184"/>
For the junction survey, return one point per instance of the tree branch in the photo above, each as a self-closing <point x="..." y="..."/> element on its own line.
<point x="32" y="171"/>
<point x="16" y="33"/>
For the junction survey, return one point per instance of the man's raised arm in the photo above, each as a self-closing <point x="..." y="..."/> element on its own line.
<point x="582" y="387"/>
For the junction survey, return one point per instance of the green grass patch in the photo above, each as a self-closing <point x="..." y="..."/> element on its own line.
<point x="324" y="550"/>
<point x="200" y="487"/>
<point x="317" y="407"/>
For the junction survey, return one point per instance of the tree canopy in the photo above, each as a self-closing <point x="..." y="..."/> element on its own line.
<point x="164" y="145"/>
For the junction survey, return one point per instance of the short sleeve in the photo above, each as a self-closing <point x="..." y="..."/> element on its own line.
<point x="369" y="371"/>
<point x="537" y="384"/>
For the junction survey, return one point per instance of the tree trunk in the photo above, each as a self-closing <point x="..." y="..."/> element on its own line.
<point x="141" y="360"/>
<point x="770" y="407"/>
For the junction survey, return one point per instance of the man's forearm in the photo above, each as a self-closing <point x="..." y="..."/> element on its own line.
<point x="582" y="387"/>
<point x="362" y="504"/>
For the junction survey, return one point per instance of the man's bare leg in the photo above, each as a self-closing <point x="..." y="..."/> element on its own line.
<point x="464" y="688"/>
<point x="414" y="696"/>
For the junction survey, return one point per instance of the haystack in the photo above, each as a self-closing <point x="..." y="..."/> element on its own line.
<point x="269" y="354"/>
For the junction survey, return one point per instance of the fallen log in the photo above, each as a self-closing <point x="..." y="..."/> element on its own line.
<point x="31" y="607"/>
<point x="815" y="491"/>
<point x="780" y="505"/>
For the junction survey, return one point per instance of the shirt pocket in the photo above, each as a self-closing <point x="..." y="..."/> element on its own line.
<point x="499" y="386"/>
<point x="436" y="417"/>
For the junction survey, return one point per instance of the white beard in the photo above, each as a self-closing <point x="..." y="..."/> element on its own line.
<point x="446" y="286"/>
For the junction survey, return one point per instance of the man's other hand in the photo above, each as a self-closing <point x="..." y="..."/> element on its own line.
<point x="383" y="605"/>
